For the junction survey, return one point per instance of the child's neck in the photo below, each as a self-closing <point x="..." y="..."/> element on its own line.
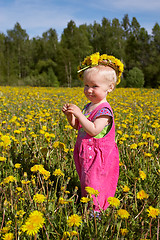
<point x="92" y="105"/>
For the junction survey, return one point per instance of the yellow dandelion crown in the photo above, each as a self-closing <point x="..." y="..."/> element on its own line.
<point x="96" y="59"/>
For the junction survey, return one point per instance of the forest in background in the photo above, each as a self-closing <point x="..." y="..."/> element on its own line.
<point x="49" y="62"/>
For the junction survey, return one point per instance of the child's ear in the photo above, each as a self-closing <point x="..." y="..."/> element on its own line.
<point x="111" y="87"/>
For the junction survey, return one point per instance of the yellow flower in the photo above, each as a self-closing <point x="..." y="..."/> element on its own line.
<point x="153" y="212"/>
<point x="6" y="140"/>
<point x="39" y="198"/>
<point x="106" y="60"/>
<point x="33" y="223"/>
<point x="125" y="188"/>
<point x="123" y="231"/>
<point x="113" y="201"/>
<point x="148" y="154"/>
<point x="156" y="145"/>
<point x="2" y="159"/>
<point x="91" y="191"/>
<point x="63" y="201"/>
<point x="95" y="58"/>
<point x="58" y="172"/>
<point x="5" y="229"/>
<point x="20" y="213"/>
<point x="85" y="200"/>
<point x="74" y="233"/>
<point x="9" y="179"/>
<point x="8" y="236"/>
<point x="74" y="220"/>
<point x="133" y="146"/>
<point x="17" y="165"/>
<point x="142" y="195"/>
<point x="41" y="169"/>
<point x="30" y="228"/>
<point x="123" y="213"/>
<point x="66" y="234"/>
<point x="36" y="168"/>
<point x="142" y="175"/>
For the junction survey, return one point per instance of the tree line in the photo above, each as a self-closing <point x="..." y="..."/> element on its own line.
<point x="47" y="61"/>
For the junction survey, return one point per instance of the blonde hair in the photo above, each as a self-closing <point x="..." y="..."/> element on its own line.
<point x="107" y="72"/>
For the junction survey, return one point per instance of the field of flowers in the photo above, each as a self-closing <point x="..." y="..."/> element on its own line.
<point x="39" y="186"/>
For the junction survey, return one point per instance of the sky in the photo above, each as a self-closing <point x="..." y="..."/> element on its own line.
<point x="38" y="16"/>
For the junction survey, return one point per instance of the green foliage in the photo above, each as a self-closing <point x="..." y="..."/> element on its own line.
<point x="135" y="78"/>
<point x="35" y="133"/>
<point x="27" y="61"/>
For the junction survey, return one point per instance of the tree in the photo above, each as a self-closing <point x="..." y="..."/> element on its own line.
<point x="2" y="57"/>
<point x="135" y="78"/>
<point x="126" y="25"/>
<point x="17" y="52"/>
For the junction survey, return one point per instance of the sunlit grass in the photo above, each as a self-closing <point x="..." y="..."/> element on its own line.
<point x="38" y="172"/>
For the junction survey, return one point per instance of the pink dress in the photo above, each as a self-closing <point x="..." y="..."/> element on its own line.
<point x="97" y="162"/>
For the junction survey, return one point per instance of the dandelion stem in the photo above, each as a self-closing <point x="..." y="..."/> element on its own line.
<point x="3" y="219"/>
<point x="150" y="228"/>
<point x="158" y="230"/>
<point x="46" y="232"/>
<point x="140" y="211"/>
<point x="119" y="229"/>
<point x="135" y="194"/>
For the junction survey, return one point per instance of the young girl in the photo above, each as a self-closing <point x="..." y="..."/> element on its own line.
<point x="96" y="154"/>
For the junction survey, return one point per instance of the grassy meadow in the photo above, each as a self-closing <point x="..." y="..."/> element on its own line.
<point x="39" y="186"/>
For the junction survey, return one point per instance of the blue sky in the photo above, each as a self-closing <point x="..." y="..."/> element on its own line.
<point x="38" y="16"/>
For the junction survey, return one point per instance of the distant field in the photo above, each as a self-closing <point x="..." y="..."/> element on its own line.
<point x="40" y="190"/>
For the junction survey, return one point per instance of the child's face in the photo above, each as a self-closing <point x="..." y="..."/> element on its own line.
<point x="96" y="87"/>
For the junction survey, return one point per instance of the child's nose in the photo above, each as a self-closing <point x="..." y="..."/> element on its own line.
<point x="89" y="89"/>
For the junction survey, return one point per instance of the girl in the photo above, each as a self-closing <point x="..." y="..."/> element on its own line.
<point x="96" y="154"/>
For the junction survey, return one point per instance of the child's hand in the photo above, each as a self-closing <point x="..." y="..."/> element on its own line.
<point x="72" y="108"/>
<point x="65" y="107"/>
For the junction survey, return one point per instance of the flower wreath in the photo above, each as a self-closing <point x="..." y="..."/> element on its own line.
<point x="104" y="59"/>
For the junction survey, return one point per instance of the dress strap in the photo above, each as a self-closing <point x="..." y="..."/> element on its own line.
<point x="105" y="104"/>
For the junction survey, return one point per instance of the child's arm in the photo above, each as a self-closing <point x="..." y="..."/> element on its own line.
<point x="70" y="117"/>
<point x="92" y="128"/>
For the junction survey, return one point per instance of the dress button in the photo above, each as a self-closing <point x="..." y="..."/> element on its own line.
<point x="90" y="148"/>
<point x="89" y="140"/>
<point x="90" y="157"/>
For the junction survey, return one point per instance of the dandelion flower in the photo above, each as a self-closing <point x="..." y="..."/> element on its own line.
<point x="123" y="231"/>
<point x="153" y="212"/>
<point x="8" y="236"/>
<point x="5" y="229"/>
<point x="30" y="228"/>
<point x="9" y="179"/>
<point x="63" y="201"/>
<point x="123" y="213"/>
<point x="142" y="175"/>
<point x="113" y="201"/>
<point x="133" y="146"/>
<point x="125" y="188"/>
<point x="33" y="223"/>
<point x="58" y="172"/>
<point x="91" y="191"/>
<point x="74" y="233"/>
<point x="66" y="234"/>
<point x="142" y="195"/>
<point x="2" y="159"/>
<point x="74" y="220"/>
<point x="17" y="165"/>
<point x="85" y="200"/>
<point x="39" y="198"/>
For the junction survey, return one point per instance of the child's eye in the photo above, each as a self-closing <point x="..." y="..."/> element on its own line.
<point x="95" y="86"/>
